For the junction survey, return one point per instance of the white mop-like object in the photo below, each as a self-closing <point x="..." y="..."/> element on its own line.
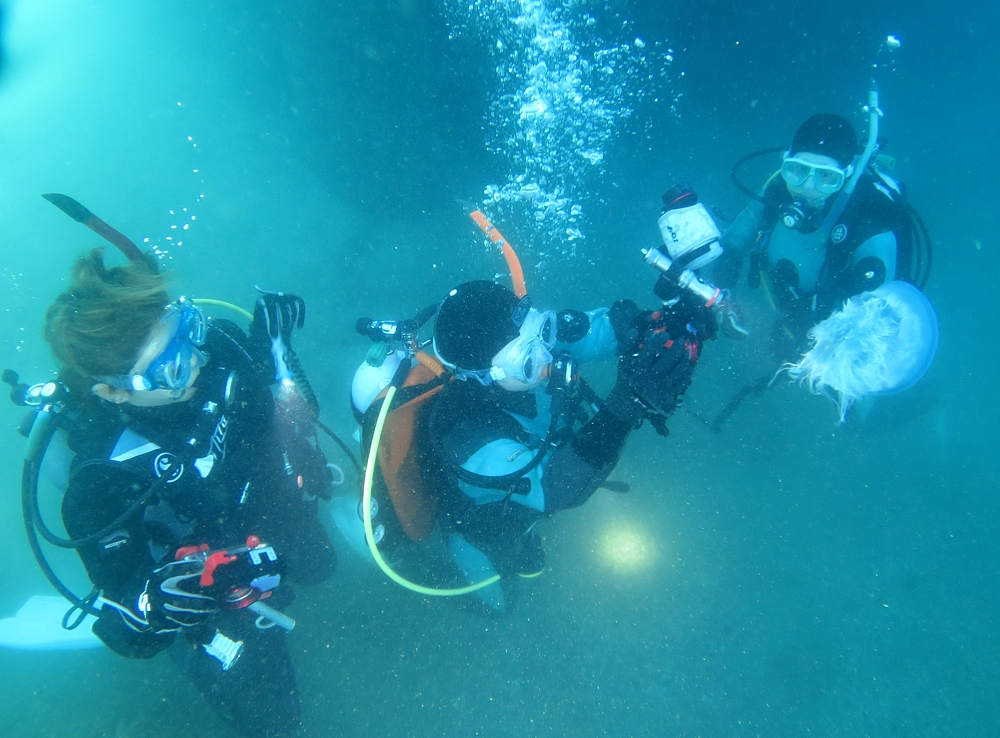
<point x="878" y="343"/>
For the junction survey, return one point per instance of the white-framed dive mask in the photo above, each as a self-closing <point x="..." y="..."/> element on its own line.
<point x="524" y="362"/>
<point x="827" y="178"/>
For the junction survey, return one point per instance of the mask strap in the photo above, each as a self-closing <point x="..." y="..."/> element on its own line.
<point x="483" y="376"/>
<point x="521" y="311"/>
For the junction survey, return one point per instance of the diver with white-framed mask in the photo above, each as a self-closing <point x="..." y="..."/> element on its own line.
<point x="830" y="224"/>
<point x="491" y="428"/>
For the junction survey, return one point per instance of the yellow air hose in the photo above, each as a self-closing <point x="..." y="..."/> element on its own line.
<point x="369" y="480"/>
<point x="366" y="503"/>
<point x="223" y="303"/>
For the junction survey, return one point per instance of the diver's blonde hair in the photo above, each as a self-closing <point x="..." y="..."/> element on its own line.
<point x="97" y="327"/>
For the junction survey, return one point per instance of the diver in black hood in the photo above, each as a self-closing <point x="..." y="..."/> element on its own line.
<point x="829" y="225"/>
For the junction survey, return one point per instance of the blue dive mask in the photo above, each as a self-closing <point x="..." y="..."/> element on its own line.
<point x="171" y="369"/>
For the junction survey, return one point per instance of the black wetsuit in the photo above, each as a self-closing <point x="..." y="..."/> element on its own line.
<point x="470" y="419"/>
<point x="487" y="463"/>
<point x="232" y="482"/>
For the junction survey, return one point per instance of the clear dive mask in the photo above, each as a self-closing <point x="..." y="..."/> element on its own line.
<point x="826" y="178"/>
<point x="526" y="359"/>
<point x="172" y="367"/>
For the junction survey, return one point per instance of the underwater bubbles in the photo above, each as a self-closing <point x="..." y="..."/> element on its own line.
<point x="561" y="97"/>
<point x="180" y="218"/>
<point x="886" y="57"/>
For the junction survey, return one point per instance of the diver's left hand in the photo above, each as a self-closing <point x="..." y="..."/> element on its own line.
<point x="276" y="314"/>
<point x="625" y="318"/>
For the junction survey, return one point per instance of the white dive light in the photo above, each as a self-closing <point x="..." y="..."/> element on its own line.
<point x="686" y="229"/>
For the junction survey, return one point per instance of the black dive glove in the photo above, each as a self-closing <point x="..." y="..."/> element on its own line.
<point x="623" y="316"/>
<point x="656" y="365"/>
<point x="868" y="274"/>
<point x="274" y="317"/>
<point x="651" y="382"/>
<point x="571" y="325"/>
<point x="171" y="599"/>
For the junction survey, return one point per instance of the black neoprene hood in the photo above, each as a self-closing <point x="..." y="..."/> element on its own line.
<point x="827" y="134"/>
<point x="474" y="322"/>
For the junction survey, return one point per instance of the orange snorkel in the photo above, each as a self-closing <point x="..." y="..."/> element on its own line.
<point x="516" y="273"/>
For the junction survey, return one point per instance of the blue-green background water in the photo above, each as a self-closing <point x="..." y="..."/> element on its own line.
<point x="804" y="578"/>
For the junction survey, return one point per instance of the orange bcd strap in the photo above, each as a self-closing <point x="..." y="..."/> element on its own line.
<point x="431" y="363"/>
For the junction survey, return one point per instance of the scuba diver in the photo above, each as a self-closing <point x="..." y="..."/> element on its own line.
<point x="829" y="225"/>
<point x="192" y="492"/>
<point x="493" y="428"/>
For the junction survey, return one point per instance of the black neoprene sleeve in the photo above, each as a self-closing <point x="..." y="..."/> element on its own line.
<point x="578" y="468"/>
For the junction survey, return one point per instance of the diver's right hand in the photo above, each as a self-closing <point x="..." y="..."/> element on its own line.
<point x="651" y="381"/>
<point x="170" y="600"/>
<point x="276" y="314"/>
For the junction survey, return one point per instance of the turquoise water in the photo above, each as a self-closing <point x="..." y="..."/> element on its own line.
<point x="784" y="577"/>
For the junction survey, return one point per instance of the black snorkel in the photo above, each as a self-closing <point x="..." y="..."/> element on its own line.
<point x="734" y="172"/>
<point x="80" y="214"/>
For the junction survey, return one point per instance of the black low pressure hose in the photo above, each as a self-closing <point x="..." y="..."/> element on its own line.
<point x="29" y="493"/>
<point x="29" y="506"/>
<point x="924" y="248"/>
<point x="343" y="447"/>
<point x="306" y="390"/>
<point x="107" y="530"/>
<point x="301" y="381"/>
<point x="734" y="172"/>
